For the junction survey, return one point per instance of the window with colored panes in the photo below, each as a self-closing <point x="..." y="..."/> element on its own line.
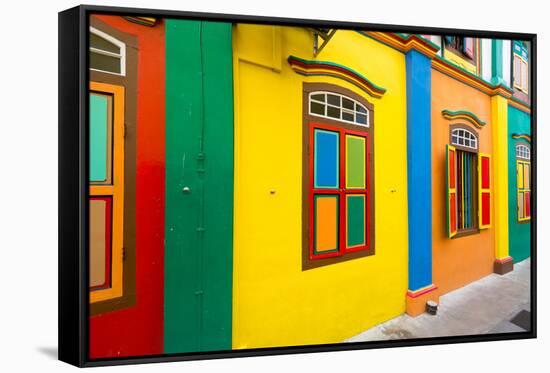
<point x="339" y="191"/>
<point x="464" y="45"/>
<point x="523" y="164"/>
<point x="468" y="184"/>
<point x="106" y="186"/>
<point x="520" y="66"/>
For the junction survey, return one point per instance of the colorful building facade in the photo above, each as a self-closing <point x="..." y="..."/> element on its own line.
<point x="260" y="186"/>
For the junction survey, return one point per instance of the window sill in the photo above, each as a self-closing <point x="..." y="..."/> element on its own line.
<point x="311" y="263"/>
<point x="466" y="232"/>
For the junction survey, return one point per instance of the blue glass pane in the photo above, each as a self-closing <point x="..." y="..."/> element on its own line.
<point x="325" y="164"/>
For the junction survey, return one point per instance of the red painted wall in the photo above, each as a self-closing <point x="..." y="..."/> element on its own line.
<point x="139" y="330"/>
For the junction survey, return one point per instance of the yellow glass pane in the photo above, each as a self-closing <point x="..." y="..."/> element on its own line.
<point x="526" y="176"/>
<point x="520" y="175"/>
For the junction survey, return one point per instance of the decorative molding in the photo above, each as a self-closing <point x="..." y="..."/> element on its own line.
<point x="407" y="42"/>
<point x="325" y="68"/>
<point x="422" y="291"/>
<point x="520" y="105"/>
<point x="144" y="21"/>
<point x="474" y="81"/>
<point x="523" y="136"/>
<point x="404" y="42"/>
<point x="463" y="114"/>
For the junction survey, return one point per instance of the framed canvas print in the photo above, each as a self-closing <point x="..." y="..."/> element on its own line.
<point x="236" y="185"/>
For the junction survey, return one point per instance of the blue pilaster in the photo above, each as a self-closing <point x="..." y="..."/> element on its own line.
<point x="419" y="166"/>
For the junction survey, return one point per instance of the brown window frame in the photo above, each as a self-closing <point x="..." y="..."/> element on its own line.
<point x="476" y="229"/>
<point x="524" y="161"/>
<point x="308" y="120"/>
<point x="129" y="82"/>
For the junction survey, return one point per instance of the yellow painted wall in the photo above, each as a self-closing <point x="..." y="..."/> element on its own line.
<point x="499" y="112"/>
<point x="275" y="303"/>
<point x="460" y="61"/>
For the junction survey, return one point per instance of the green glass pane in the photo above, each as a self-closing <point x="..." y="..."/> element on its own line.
<point x="98" y="138"/>
<point x="355" y="162"/>
<point x="355" y="220"/>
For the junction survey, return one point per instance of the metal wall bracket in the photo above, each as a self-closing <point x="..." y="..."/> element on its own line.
<point x="325" y="34"/>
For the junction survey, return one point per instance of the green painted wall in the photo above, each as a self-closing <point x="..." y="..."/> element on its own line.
<point x="520" y="233"/>
<point x="199" y="156"/>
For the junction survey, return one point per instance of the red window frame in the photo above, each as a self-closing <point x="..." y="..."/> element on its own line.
<point x="342" y="192"/>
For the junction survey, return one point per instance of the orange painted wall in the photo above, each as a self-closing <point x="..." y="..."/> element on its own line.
<point x="462" y="260"/>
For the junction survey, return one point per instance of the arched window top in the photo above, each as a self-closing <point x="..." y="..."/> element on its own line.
<point x="463" y="137"/>
<point x="523" y="151"/>
<point x="339" y="107"/>
<point x="107" y="54"/>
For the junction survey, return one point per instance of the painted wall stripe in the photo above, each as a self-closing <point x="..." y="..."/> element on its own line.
<point x="199" y="156"/>
<point x="519" y="130"/>
<point x="419" y="169"/>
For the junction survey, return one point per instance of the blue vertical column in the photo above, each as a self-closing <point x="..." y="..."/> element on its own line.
<point x="419" y="168"/>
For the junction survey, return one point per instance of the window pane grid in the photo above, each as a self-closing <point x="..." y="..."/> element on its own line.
<point x="523" y="151"/>
<point x="524" y="189"/>
<point x="463" y="137"/>
<point x="338" y="204"/>
<point x="335" y="106"/>
<point x="107" y="54"/>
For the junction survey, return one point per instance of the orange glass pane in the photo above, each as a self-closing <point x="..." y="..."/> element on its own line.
<point x="326" y="223"/>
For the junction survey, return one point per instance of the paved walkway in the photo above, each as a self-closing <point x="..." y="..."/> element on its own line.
<point x="494" y="304"/>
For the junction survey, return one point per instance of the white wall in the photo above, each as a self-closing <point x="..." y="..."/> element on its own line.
<point x="436" y="39"/>
<point x="486" y="59"/>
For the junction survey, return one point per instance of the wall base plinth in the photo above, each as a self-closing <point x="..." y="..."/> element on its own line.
<point x="503" y="265"/>
<point x="416" y="300"/>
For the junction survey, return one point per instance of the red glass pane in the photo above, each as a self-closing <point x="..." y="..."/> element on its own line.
<point x="452" y="212"/>
<point x="527" y="203"/>
<point x="452" y="173"/>
<point x="486" y="208"/>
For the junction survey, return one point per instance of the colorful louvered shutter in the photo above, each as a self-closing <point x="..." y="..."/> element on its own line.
<point x="468" y="47"/>
<point x="484" y="167"/>
<point x="524" y="75"/>
<point x="527" y="194"/>
<point x="452" y="226"/>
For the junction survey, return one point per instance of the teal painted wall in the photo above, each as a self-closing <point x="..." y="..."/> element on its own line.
<point x="520" y="233"/>
<point x="199" y="156"/>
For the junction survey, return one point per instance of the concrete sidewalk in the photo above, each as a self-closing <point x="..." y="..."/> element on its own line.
<point x="494" y="304"/>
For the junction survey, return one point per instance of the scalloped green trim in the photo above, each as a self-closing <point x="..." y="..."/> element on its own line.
<point x="463" y="114"/>
<point x="301" y="66"/>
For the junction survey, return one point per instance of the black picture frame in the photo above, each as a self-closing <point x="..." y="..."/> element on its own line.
<point x="73" y="187"/>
